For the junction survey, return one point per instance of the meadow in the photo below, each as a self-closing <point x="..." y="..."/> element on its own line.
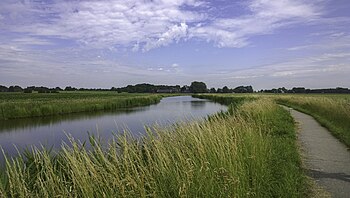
<point x="248" y="151"/>
<point x="21" y="105"/>
<point x="330" y="110"/>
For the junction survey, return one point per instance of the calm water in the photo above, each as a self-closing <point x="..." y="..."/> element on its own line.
<point x="51" y="131"/>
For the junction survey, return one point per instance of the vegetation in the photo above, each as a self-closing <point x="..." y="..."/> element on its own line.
<point x="20" y="105"/>
<point x="304" y="90"/>
<point x="195" y="87"/>
<point x="332" y="111"/>
<point x="248" y="152"/>
<point x="148" y="88"/>
<point x="198" y="87"/>
<point x="227" y="99"/>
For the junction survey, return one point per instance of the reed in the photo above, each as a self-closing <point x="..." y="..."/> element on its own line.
<point x="20" y="105"/>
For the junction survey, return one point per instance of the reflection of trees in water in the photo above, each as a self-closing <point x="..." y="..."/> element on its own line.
<point x="198" y="104"/>
<point x="49" y="120"/>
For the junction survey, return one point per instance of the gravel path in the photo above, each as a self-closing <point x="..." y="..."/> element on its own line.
<point x="327" y="160"/>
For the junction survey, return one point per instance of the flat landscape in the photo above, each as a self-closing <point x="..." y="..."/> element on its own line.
<point x="174" y="98"/>
<point x="249" y="149"/>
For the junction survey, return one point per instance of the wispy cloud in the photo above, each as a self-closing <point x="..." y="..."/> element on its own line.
<point x="264" y="18"/>
<point x="146" y="25"/>
<point x="302" y="67"/>
<point x="326" y="41"/>
<point x="100" y="42"/>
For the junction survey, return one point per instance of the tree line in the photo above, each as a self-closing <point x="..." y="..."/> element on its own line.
<point x="305" y="90"/>
<point x="195" y="87"/>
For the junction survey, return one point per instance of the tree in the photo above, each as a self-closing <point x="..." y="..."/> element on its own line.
<point x="27" y="90"/>
<point x="185" y="89"/>
<point x="243" y="89"/>
<point x="225" y="90"/>
<point x="3" y="88"/>
<point x="113" y="89"/>
<point x="213" y="90"/>
<point x="15" y="88"/>
<point x="69" y="88"/>
<point x="298" y="90"/>
<point x="198" y="87"/>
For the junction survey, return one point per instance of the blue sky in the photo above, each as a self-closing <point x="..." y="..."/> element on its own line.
<point x="105" y="43"/>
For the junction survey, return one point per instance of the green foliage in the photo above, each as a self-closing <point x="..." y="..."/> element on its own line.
<point x="198" y="87"/>
<point x="231" y="99"/>
<point x="20" y="105"/>
<point x="250" y="153"/>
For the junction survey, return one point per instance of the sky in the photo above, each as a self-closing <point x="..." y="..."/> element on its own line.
<point x="105" y="43"/>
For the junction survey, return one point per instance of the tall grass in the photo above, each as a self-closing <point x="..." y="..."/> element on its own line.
<point x="249" y="152"/>
<point x="332" y="111"/>
<point x="20" y="105"/>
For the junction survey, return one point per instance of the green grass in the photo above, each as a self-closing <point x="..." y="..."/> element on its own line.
<point x="248" y="152"/>
<point x="20" y="105"/>
<point x="331" y="111"/>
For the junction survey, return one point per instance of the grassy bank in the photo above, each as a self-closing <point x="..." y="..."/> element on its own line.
<point x="227" y="99"/>
<point x="248" y="153"/>
<point x="331" y="111"/>
<point x="20" y="105"/>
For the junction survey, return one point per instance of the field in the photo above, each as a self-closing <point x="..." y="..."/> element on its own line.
<point x="330" y="110"/>
<point x="20" y="105"/>
<point x="249" y="151"/>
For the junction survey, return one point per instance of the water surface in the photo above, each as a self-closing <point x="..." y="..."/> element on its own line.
<point x="51" y="131"/>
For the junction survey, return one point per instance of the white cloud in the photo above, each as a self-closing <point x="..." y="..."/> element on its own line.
<point x="265" y="17"/>
<point x="174" y="33"/>
<point x="138" y="24"/>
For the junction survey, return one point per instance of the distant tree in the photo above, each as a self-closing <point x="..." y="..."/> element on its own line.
<point x="198" y="87"/>
<point x="119" y="90"/>
<point x="15" y="88"/>
<point x="225" y="89"/>
<point x="185" y="89"/>
<point x="54" y="91"/>
<point x="69" y="88"/>
<point x="27" y="90"/>
<point x="212" y="90"/>
<point x="243" y="89"/>
<point x="3" y="88"/>
<point x="299" y="90"/>
<point x="219" y="90"/>
<point x="113" y="89"/>
<point x="42" y="89"/>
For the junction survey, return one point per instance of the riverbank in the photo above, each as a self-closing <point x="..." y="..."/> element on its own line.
<point x="22" y="105"/>
<point x="249" y="151"/>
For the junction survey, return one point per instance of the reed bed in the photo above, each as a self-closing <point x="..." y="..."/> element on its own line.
<point x="332" y="111"/>
<point x="21" y="105"/>
<point x="248" y="151"/>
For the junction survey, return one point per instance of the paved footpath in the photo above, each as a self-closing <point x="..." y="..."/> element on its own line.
<point x="327" y="159"/>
